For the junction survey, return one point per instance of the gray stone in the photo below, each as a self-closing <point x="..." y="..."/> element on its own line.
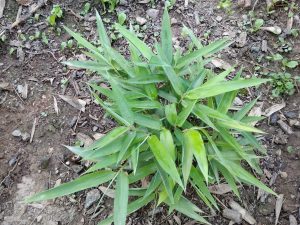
<point x="153" y="13"/>
<point x="25" y="136"/>
<point x="16" y="133"/>
<point x="13" y="160"/>
<point x="91" y="197"/>
<point x="219" y="18"/>
<point x="141" y="20"/>
<point x="291" y="115"/>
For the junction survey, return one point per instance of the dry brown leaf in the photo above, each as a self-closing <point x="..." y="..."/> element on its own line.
<point x="2" y="5"/>
<point x="278" y="207"/>
<point x="232" y="215"/>
<point x="256" y="111"/>
<point x="245" y="214"/>
<point x="274" y="108"/>
<point x="220" y="189"/>
<point x="108" y="192"/>
<point x="75" y="102"/>
<point x="55" y="105"/>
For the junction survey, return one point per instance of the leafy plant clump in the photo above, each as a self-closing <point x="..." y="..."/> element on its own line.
<point x="175" y="126"/>
<point x="283" y="83"/>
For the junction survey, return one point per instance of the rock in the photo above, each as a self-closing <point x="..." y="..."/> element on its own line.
<point x="140" y="20"/>
<point x="25" y="136"/>
<point x="264" y="46"/>
<point x="241" y="40"/>
<point x="292" y="220"/>
<point x="77" y="168"/>
<point x="39" y="218"/>
<point x="44" y="163"/>
<point x="219" y="18"/>
<point x="274" y="118"/>
<point x="16" y="133"/>
<point x="91" y="197"/>
<point x="291" y="115"/>
<point x="95" y="128"/>
<point x="174" y="21"/>
<point x="13" y="160"/>
<point x="152" y="13"/>
<point x="283" y="174"/>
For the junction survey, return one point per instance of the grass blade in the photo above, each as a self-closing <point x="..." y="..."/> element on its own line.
<point x="166" y="37"/>
<point x="121" y="199"/>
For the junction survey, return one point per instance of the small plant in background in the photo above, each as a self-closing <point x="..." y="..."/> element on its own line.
<point x="121" y="18"/>
<point x="225" y="4"/>
<point x="175" y="126"/>
<point x="286" y="63"/>
<point x="283" y="84"/>
<point x="258" y="23"/>
<point x="56" y="13"/>
<point x="111" y="4"/>
<point x="86" y="9"/>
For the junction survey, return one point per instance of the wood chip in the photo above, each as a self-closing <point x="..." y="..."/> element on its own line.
<point x="245" y="214"/>
<point x="278" y="207"/>
<point x="33" y="130"/>
<point x="285" y="127"/>
<point x="256" y="111"/>
<point x="2" y="5"/>
<point x="97" y="136"/>
<point x="220" y="189"/>
<point x="55" y="105"/>
<point x="221" y="64"/>
<point x="75" y="102"/>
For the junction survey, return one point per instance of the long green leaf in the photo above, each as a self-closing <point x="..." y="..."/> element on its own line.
<point x="101" y="31"/>
<point x="164" y="159"/>
<point x="184" y="114"/>
<point x="140" y="45"/>
<point x="125" y="145"/>
<point x="147" y="121"/>
<point x="193" y="141"/>
<point x="209" y="90"/>
<point x="166" y="37"/>
<point x="171" y="113"/>
<point x="81" y="183"/>
<point x="132" y="207"/>
<point x="121" y="199"/>
<point x="167" y="140"/>
<point x="187" y="159"/>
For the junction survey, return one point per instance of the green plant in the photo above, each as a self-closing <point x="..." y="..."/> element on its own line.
<point x="286" y="63"/>
<point x="283" y="84"/>
<point x="175" y="126"/>
<point x="56" y="12"/>
<point x="225" y="4"/>
<point x="121" y="18"/>
<point x="258" y="23"/>
<point x="111" y="4"/>
<point x="86" y="8"/>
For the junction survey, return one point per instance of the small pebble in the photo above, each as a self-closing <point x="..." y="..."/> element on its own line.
<point x="283" y="174"/>
<point x="91" y="197"/>
<point x="219" y="18"/>
<point x="153" y="13"/>
<point x="12" y="161"/>
<point x="25" y="136"/>
<point x="16" y="133"/>
<point x="39" y="218"/>
<point x="141" y="20"/>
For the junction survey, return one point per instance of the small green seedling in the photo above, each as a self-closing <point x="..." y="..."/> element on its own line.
<point x="56" y="12"/>
<point x="225" y="4"/>
<point x="286" y="63"/>
<point x="283" y="84"/>
<point x="258" y="23"/>
<point x="67" y="44"/>
<point x="86" y="9"/>
<point x="111" y="4"/>
<point x="121" y="18"/>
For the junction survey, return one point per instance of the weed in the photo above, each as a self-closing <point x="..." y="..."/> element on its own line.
<point x="56" y="12"/>
<point x="283" y="84"/>
<point x="225" y="4"/>
<point x="86" y="9"/>
<point x="175" y="126"/>
<point x="111" y="4"/>
<point x="121" y="18"/>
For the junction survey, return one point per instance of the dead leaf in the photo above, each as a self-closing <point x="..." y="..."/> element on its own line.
<point x="85" y="139"/>
<point x="75" y="102"/>
<point x="256" y="111"/>
<point x="232" y="215"/>
<point x="274" y="108"/>
<point x="220" y="189"/>
<point x="245" y="214"/>
<point x="275" y="30"/>
<point x="108" y="192"/>
<point x="221" y="64"/>
<point x="55" y="105"/>
<point x="278" y="207"/>
<point x="2" y="5"/>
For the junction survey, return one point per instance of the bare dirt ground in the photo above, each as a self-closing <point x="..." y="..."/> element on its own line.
<point x="27" y="167"/>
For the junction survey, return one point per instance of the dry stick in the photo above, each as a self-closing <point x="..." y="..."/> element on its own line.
<point x="9" y="172"/>
<point x="33" y="10"/>
<point x="33" y="129"/>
